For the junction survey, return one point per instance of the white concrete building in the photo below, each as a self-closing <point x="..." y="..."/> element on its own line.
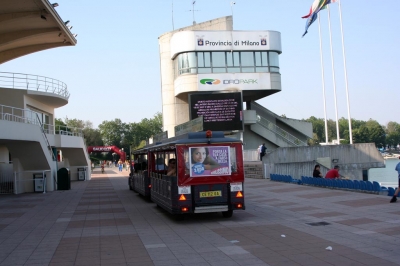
<point x="210" y="58"/>
<point x="30" y="143"/>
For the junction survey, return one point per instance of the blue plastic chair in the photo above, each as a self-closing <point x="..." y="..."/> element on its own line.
<point x="370" y="186"/>
<point x="357" y="185"/>
<point x="344" y="184"/>
<point x="329" y="182"/>
<point x="378" y="188"/>
<point x="391" y="191"/>
<point x="350" y="184"/>
<point x="340" y="183"/>
<point x="324" y="182"/>
<point x="363" y="186"/>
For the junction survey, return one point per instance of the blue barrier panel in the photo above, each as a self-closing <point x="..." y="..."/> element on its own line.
<point x="324" y="182"/>
<point x="341" y="183"/>
<point x="329" y="182"/>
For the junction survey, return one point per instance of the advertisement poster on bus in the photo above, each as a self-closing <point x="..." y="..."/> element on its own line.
<point x="209" y="161"/>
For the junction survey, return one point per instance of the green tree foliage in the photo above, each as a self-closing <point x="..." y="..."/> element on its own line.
<point x="362" y="131"/>
<point x="376" y="133"/>
<point x="393" y="134"/>
<point x="113" y="132"/>
<point x="131" y="135"/>
<point x="361" y="135"/>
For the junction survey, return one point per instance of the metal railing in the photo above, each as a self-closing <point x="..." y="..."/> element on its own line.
<point x="279" y="131"/>
<point x="27" y="116"/>
<point x="33" y="82"/>
<point x="7" y="183"/>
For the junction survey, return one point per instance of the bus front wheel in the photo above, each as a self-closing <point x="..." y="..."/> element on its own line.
<point x="227" y="214"/>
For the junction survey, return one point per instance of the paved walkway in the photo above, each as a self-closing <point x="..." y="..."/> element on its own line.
<point x="102" y="222"/>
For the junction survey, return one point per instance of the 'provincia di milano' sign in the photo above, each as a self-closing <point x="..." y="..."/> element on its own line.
<point x="184" y="41"/>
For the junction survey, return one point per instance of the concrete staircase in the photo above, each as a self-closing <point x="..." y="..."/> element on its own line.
<point x="253" y="170"/>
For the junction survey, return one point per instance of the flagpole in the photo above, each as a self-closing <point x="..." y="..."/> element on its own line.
<point x="345" y="73"/>
<point x="323" y="79"/>
<point x="333" y="76"/>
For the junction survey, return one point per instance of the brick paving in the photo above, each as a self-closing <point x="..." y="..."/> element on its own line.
<point x="102" y="222"/>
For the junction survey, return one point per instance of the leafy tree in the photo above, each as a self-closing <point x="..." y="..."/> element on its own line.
<point x="112" y="132"/>
<point x="361" y="135"/>
<point x="392" y="127"/>
<point x="92" y="137"/>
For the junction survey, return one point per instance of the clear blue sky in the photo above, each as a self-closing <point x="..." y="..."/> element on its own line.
<point x="114" y="72"/>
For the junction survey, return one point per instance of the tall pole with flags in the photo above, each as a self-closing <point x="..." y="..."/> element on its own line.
<point x="323" y="79"/>
<point x="333" y="76"/>
<point x="345" y="73"/>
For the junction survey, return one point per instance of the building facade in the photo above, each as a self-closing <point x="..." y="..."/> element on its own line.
<point x="212" y="58"/>
<point x="31" y="146"/>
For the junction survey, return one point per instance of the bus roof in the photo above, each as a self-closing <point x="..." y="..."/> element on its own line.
<point x="190" y="138"/>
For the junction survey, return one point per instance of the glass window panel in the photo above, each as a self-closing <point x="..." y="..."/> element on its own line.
<point x="274" y="69"/>
<point x="233" y="59"/>
<point x="219" y="70"/>
<point x="247" y="59"/>
<point x="191" y="58"/>
<point x="258" y="58"/>
<point x="261" y="69"/>
<point x="261" y="58"/>
<point x="207" y="59"/>
<point x="233" y="69"/>
<point x="218" y="59"/>
<point x="247" y="69"/>
<point x="264" y="59"/>
<point x="204" y="70"/>
<point x="200" y="59"/>
<point x="273" y="59"/>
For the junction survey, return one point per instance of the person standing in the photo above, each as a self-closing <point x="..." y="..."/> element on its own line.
<point x="396" y="193"/>
<point x="120" y="164"/>
<point x="263" y="150"/>
<point x="333" y="173"/>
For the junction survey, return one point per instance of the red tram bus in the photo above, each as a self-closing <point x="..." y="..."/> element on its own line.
<point x="202" y="172"/>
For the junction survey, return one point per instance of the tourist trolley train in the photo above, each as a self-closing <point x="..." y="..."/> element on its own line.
<point x="197" y="173"/>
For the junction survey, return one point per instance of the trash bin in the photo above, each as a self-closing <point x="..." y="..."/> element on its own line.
<point x="81" y="174"/>
<point x="63" y="179"/>
<point x="38" y="182"/>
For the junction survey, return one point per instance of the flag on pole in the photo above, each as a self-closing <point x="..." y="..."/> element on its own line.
<point x="314" y="7"/>
<point x="317" y="6"/>
<point x="310" y="21"/>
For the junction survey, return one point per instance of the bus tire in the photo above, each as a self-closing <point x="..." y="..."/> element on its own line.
<point x="227" y="214"/>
